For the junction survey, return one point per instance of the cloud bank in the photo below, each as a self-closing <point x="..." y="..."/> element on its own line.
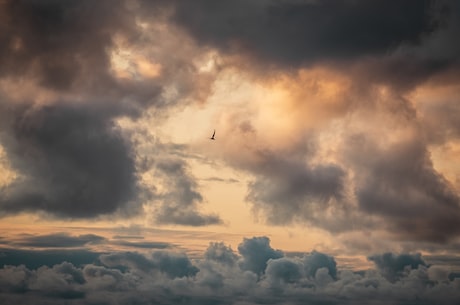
<point x="225" y="277"/>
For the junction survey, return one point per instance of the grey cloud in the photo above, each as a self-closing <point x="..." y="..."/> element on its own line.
<point x="288" y="189"/>
<point x="283" y="270"/>
<point x="174" y="264"/>
<point x="311" y="269"/>
<point x="217" y="179"/>
<point x="317" y="260"/>
<point x="14" y="279"/>
<point x="293" y="32"/>
<point x="180" y="202"/>
<point x="127" y="260"/>
<point x="392" y="265"/>
<point x="128" y="237"/>
<point x="221" y="253"/>
<point x="143" y="244"/>
<point x="439" y="120"/>
<point x="74" y="161"/>
<point x="61" y="41"/>
<point x="33" y="259"/>
<point x="169" y="263"/>
<point x="59" y="240"/>
<point x="255" y="253"/>
<point x="400" y="185"/>
<point x="399" y="44"/>
<point x="170" y="278"/>
<point x="61" y="281"/>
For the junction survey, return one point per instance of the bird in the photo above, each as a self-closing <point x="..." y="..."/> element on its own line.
<point x="212" y="138"/>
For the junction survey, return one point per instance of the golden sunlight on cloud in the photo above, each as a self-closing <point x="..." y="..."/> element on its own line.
<point x="7" y="174"/>
<point x="271" y="112"/>
<point x="437" y="110"/>
<point x="312" y="96"/>
<point x="125" y="63"/>
<point x="21" y="90"/>
<point x="445" y="161"/>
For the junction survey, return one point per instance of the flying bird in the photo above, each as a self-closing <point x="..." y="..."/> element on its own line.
<point x="212" y="138"/>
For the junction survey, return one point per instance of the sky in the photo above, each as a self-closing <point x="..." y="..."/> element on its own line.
<point x="334" y="176"/>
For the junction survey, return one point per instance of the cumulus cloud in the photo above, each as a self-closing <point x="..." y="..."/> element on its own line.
<point x="255" y="254"/>
<point x="168" y="277"/>
<point x="392" y="265"/>
<point x="221" y="253"/>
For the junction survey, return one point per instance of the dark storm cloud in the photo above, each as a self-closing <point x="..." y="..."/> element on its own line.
<point x="58" y="42"/>
<point x="399" y="184"/>
<point x="74" y="161"/>
<point x="392" y="266"/>
<point x="169" y="278"/>
<point x="181" y="200"/>
<point x="400" y="44"/>
<point x="293" y="32"/>
<point x="58" y="240"/>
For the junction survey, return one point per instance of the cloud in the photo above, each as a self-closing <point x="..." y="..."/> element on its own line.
<point x="286" y="188"/>
<point x="399" y="184"/>
<point x="342" y="119"/>
<point x="169" y="263"/>
<point x="217" y="179"/>
<point x="168" y="277"/>
<point x="221" y="253"/>
<point x="283" y="270"/>
<point x="79" y="35"/>
<point x="367" y="42"/>
<point x="293" y="32"/>
<point x="181" y="199"/>
<point x="367" y="166"/>
<point x="317" y="260"/>
<point x="58" y="240"/>
<point x="142" y="244"/>
<point x="73" y="163"/>
<point x="72" y="73"/>
<point x="33" y="259"/>
<point x="255" y="254"/>
<point x="392" y="266"/>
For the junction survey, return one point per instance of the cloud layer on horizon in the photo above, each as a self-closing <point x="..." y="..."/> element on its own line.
<point x="225" y="277"/>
